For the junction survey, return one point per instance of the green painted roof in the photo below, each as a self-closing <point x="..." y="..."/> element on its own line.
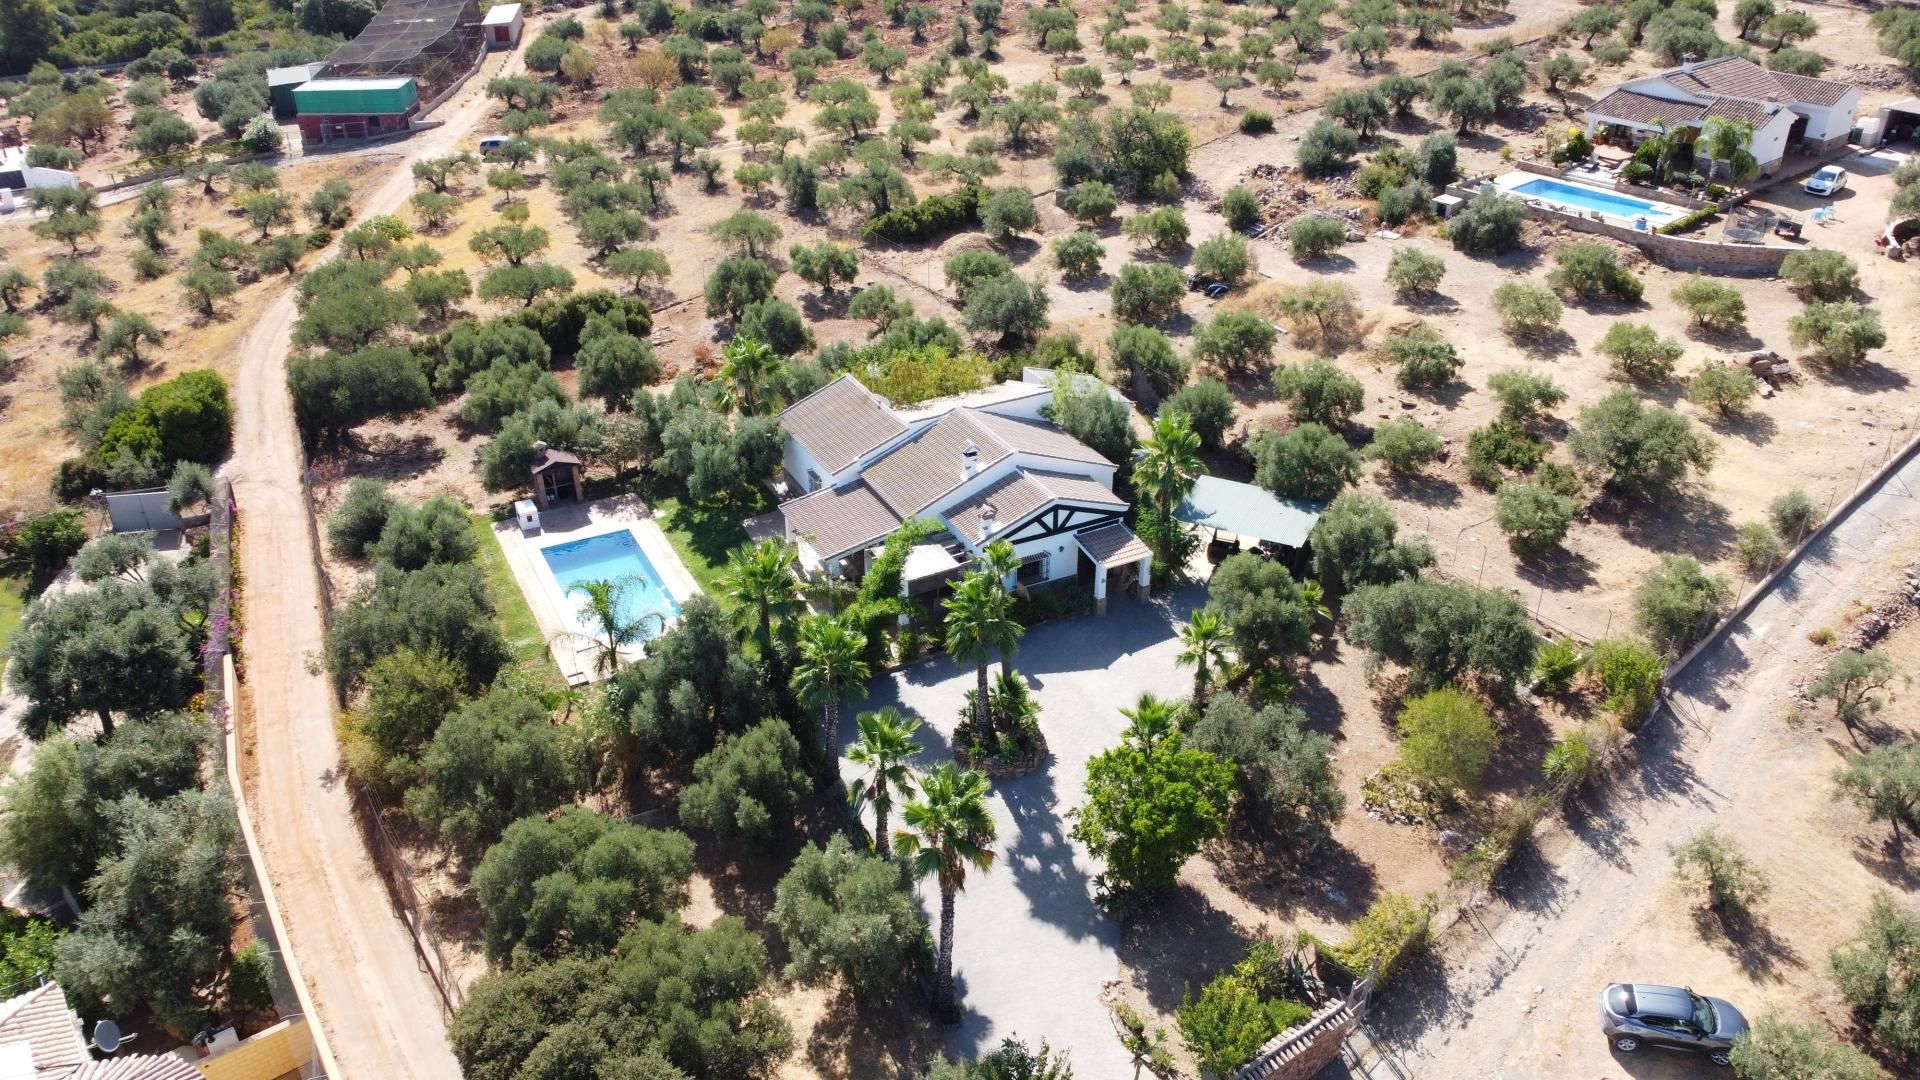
<point x="1246" y="510"/>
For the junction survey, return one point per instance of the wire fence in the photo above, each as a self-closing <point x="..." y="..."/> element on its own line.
<point x="398" y="876"/>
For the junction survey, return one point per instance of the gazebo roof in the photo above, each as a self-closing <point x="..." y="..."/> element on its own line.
<point x="545" y="458"/>
<point x="1247" y="510"/>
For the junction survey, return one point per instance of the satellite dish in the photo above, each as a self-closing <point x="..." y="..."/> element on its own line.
<point x="106" y="1036"/>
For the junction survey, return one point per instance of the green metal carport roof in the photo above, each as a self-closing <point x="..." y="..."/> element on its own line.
<point x="1246" y="510"/>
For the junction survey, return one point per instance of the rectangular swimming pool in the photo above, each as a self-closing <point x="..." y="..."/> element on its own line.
<point x="613" y="557"/>
<point x="1580" y="198"/>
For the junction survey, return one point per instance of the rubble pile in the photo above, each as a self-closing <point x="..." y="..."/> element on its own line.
<point x="1283" y="198"/>
<point x="1892" y="610"/>
<point x="1871" y="76"/>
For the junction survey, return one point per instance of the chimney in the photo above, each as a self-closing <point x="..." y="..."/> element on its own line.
<point x="540" y="447"/>
<point x="1686" y="63"/>
<point x="969" y="461"/>
<point x="989" y="521"/>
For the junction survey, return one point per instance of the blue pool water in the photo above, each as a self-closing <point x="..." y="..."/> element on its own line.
<point x="616" y="557"/>
<point x="1581" y="197"/>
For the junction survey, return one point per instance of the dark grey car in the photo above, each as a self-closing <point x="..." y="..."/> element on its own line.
<point x="1634" y="1015"/>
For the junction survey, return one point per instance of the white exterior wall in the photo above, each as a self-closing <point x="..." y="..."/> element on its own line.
<point x="798" y="463"/>
<point x="1026" y="408"/>
<point x="1830" y="121"/>
<point x="1770" y="142"/>
<point x="1063" y="555"/>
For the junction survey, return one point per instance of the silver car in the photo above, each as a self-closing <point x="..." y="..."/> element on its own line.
<point x="1634" y="1015"/>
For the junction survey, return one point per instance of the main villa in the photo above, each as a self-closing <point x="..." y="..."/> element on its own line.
<point x="1789" y="113"/>
<point x="986" y="466"/>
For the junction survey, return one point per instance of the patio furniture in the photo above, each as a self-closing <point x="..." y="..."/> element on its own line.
<point x="1788" y="227"/>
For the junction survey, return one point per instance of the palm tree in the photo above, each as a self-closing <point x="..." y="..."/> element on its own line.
<point x="948" y="829"/>
<point x="761" y="585"/>
<point x="1149" y="721"/>
<point x="886" y="742"/>
<point x="977" y="627"/>
<point x="1665" y="143"/>
<point x="746" y="380"/>
<point x="1727" y="143"/>
<point x="999" y="559"/>
<point x="611" y="631"/>
<point x="1166" y="466"/>
<point x="1203" y="641"/>
<point x="830" y="661"/>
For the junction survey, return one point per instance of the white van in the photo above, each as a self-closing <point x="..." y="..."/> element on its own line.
<point x="491" y="143"/>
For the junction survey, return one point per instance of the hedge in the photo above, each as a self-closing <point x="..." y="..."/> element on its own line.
<point x="1690" y="221"/>
<point x="931" y="216"/>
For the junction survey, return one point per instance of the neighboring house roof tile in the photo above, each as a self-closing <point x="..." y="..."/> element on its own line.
<point x="139" y="1067"/>
<point x="839" y="422"/>
<point x="1033" y="437"/>
<point x="1020" y="493"/>
<point x="1738" y="76"/>
<point x="838" y="520"/>
<point x="41" y="1019"/>
<point x="1645" y="109"/>
<point x="1111" y="545"/>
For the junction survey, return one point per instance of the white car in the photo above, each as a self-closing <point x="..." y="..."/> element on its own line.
<point x="1827" y="181"/>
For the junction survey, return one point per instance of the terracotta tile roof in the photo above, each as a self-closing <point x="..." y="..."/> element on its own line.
<point x="41" y="1019"/>
<point x="838" y="520"/>
<point x="839" y="422"/>
<point x="1111" y="545"/>
<point x="1645" y="109"/>
<point x="914" y="474"/>
<point x="1753" y="112"/>
<point x="139" y="1067"/>
<point x="1033" y="437"/>
<point x="1738" y="76"/>
<point x="1018" y="495"/>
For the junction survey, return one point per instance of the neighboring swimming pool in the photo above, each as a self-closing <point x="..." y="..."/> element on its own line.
<point x="616" y="557"/>
<point x="1581" y="199"/>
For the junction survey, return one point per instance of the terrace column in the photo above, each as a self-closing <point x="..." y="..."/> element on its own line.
<point x="903" y="619"/>
<point x="1099" y="590"/>
<point x="1146" y="576"/>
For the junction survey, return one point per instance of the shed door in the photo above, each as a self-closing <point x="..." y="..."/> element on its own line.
<point x="499" y="33"/>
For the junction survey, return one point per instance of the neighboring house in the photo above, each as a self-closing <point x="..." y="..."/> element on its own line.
<point x="1789" y="113"/>
<point x="330" y="110"/>
<point x="40" y="1039"/>
<point x="17" y="175"/>
<point x="502" y="26"/>
<point x="985" y="466"/>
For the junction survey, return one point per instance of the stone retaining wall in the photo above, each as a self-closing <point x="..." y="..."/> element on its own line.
<point x="1674" y="252"/>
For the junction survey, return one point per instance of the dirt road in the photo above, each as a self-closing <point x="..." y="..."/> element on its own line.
<point x="1604" y="905"/>
<point x="381" y="1013"/>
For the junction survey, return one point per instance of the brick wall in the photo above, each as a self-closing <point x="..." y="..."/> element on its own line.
<point x="1300" y="1052"/>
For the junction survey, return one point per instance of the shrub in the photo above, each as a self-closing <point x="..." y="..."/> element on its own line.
<point x="851" y="914"/>
<point x="931" y="216"/>
<point x="1676" y="601"/>
<point x="1436" y="159"/>
<point x="1207" y="405"/>
<point x="1523" y="394"/>
<point x="1308" y="462"/>
<point x="1404" y="446"/>
<point x="1640" y="452"/>
<point x="1755" y="547"/>
<point x="1792" y="514"/>
<point x="1841" y="334"/>
<point x="1223" y="258"/>
<point x="1714" y="863"/>
<point x="1317" y="391"/>
<point x="1008" y="212"/>
<point x="1441" y="632"/>
<point x="1639" y="354"/>
<point x="1256" y="122"/>
<point x="1230" y="1021"/>
<point x="1501" y="447"/>
<point x="1147" y="351"/>
<point x="1393" y="930"/>
<point x="1446" y="740"/>
<point x="1591" y="270"/>
<point x="1426" y="359"/>
<point x="1413" y="272"/>
<point x="1315" y="237"/>
<point x="1776" y="1048"/>
<point x="1147" y="292"/>
<point x="1713" y="305"/>
<point x="1402" y="201"/>
<point x="1092" y="201"/>
<point x="1489" y="224"/>
<point x="1724" y="388"/>
<point x="1533" y="517"/>
<point x="1690" y="220"/>
<point x="1555" y="665"/>
<point x="1240" y="208"/>
<point x="1878" y="972"/>
<point x="1326" y="308"/>
<point x="1629" y="674"/>
<point x="1356" y="543"/>
<point x="1150" y="806"/>
<point x="1326" y="149"/>
<point x="1821" y="274"/>
<point x="357" y="522"/>
<point x="1163" y="229"/>
<point x="1526" y="310"/>
<point x="746" y="791"/>
<point x="1078" y="253"/>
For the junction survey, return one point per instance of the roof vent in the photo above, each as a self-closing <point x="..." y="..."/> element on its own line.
<point x="969" y="460"/>
<point x="1686" y="63"/>
<point x="989" y="521"/>
<point x="540" y="447"/>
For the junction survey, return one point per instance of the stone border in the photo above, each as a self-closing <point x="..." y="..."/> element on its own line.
<point x="1001" y="769"/>
<point x="1673" y="252"/>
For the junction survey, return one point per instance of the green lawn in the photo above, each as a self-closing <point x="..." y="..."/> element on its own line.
<point x="12" y="604"/>
<point x="510" y="606"/>
<point x="704" y="536"/>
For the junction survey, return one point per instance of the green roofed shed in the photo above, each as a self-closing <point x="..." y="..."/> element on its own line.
<point x="389" y="96"/>
<point x="1249" y="511"/>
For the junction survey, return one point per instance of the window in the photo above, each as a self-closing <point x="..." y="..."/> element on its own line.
<point x="1033" y="569"/>
<point x="813" y="480"/>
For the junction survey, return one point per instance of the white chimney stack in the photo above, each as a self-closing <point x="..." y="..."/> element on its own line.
<point x="989" y="521"/>
<point x="969" y="461"/>
<point x="1686" y="63"/>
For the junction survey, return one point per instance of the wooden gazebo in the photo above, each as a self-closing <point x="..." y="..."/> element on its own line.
<point x="558" y="476"/>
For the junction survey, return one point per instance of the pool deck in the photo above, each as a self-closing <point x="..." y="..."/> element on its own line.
<point x="1664" y="211"/>
<point x="573" y="654"/>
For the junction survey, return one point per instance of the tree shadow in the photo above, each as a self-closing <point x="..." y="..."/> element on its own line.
<point x="1756" y="948"/>
<point x="1734" y="339"/>
<point x="1041" y="860"/>
<point x="1423" y="489"/>
<point x="1328" y="881"/>
<point x="1433" y="303"/>
<point x="1098" y="281"/>
<point x="1545" y="346"/>
<point x="1558" y="570"/>
<point x="1530" y="882"/>
<point x="1887" y="861"/>
<point x="1755" y="427"/>
<point x="1867" y="377"/>
<point x="855" y="1041"/>
<point x="1178" y="947"/>
<point x="392" y="456"/>
<point x="1688" y="523"/>
<point x="822" y="305"/>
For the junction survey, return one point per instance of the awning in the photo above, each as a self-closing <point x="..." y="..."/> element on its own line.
<point x="1111" y="545"/>
<point x="1246" y="510"/>
<point x="928" y="560"/>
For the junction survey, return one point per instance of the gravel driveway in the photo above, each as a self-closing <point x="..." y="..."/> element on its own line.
<point x="1032" y="951"/>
